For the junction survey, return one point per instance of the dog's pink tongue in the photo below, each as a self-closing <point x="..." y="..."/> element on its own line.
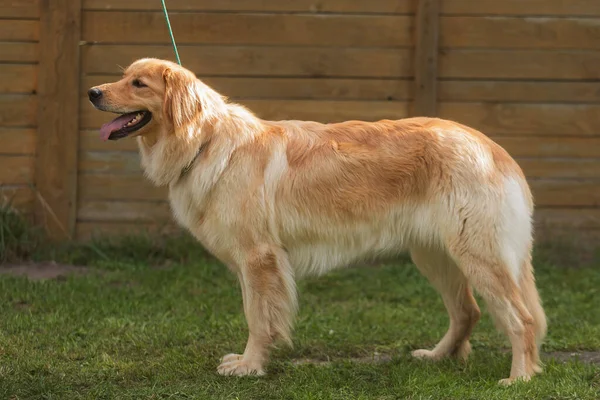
<point x="115" y="125"/>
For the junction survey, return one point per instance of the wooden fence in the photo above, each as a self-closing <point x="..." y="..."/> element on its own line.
<point x="525" y="72"/>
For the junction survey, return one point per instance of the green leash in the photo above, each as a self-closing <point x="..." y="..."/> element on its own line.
<point x="170" y="31"/>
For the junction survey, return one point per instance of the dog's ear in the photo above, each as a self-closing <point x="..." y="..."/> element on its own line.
<point x="181" y="103"/>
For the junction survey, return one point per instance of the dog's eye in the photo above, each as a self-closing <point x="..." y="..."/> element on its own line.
<point x="138" y="83"/>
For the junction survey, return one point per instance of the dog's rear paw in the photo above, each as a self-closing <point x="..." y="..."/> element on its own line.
<point x="424" y="354"/>
<point x="235" y="365"/>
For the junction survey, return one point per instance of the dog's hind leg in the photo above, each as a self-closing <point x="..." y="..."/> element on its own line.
<point x="491" y="276"/>
<point x="269" y="294"/>
<point x="458" y="298"/>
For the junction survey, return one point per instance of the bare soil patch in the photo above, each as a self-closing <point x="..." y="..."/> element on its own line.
<point x="41" y="271"/>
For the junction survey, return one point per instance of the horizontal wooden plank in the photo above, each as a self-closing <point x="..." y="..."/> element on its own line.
<point x="19" y="52"/>
<point x="302" y="6"/>
<point x="521" y="7"/>
<point x="18" y="110"/>
<point x="86" y="230"/>
<point x="297" y="88"/>
<point x="18" y="78"/>
<point x="526" y="119"/>
<point x="122" y="211"/>
<point x="16" y="170"/>
<point x="519" y="91"/>
<point x="118" y="187"/>
<point x="14" y="30"/>
<point x="20" y="197"/>
<point x="565" y="193"/>
<point x="248" y="29"/>
<point x="448" y="7"/>
<point x="89" y="140"/>
<point x="113" y="162"/>
<point x="17" y="141"/>
<point x="258" y="61"/>
<point x="538" y="146"/>
<point x="560" y="167"/>
<point x="322" y="111"/>
<point x="519" y="64"/>
<point x="570" y="218"/>
<point x="19" y="8"/>
<point x="503" y="32"/>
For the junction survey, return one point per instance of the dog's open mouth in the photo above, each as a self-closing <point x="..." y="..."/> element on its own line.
<point x="124" y="125"/>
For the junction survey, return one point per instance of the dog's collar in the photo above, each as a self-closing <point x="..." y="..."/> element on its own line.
<point x="188" y="167"/>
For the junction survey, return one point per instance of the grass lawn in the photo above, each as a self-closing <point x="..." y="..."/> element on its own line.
<point x="149" y="321"/>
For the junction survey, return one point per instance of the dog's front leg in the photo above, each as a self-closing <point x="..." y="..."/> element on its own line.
<point x="269" y="294"/>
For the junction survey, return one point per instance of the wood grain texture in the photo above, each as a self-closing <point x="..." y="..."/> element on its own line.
<point x="110" y="162"/>
<point x="87" y="230"/>
<point x="294" y="88"/>
<point x="18" y="78"/>
<point x="16" y="170"/>
<point x="17" y="141"/>
<point x="19" y="52"/>
<point x="15" y="30"/>
<point x="19" y="8"/>
<point x="510" y="33"/>
<point x="525" y="72"/>
<point x="570" y="218"/>
<point x="110" y="186"/>
<point x="565" y="192"/>
<point x="448" y="7"/>
<point x="519" y="91"/>
<point x="18" y="110"/>
<point x="551" y="146"/>
<point x="299" y="6"/>
<point x="20" y="197"/>
<point x="125" y="211"/>
<point x="495" y="119"/>
<point x="258" y="61"/>
<point x="57" y="142"/>
<point x="564" y="168"/>
<point x="519" y="64"/>
<point x="426" y="56"/>
<point x="522" y="7"/>
<point x="249" y="29"/>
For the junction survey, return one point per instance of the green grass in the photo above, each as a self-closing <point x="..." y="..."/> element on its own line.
<point x="134" y="329"/>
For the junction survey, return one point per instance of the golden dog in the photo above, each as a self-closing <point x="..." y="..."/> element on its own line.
<point x="277" y="200"/>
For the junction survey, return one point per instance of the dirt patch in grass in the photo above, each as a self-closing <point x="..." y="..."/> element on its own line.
<point x="591" y="357"/>
<point x="41" y="271"/>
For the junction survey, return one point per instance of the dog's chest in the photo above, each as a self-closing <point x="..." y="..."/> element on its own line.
<point x="192" y="212"/>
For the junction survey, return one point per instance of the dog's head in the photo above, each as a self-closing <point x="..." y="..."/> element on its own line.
<point x="152" y="94"/>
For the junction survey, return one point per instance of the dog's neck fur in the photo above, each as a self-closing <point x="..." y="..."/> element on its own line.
<point x="165" y="155"/>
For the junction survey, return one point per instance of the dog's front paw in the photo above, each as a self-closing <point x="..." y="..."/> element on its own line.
<point x="510" y="381"/>
<point x="236" y="365"/>
<point x="424" y="354"/>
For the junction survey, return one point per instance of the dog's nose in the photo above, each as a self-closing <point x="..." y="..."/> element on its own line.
<point x="94" y="94"/>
